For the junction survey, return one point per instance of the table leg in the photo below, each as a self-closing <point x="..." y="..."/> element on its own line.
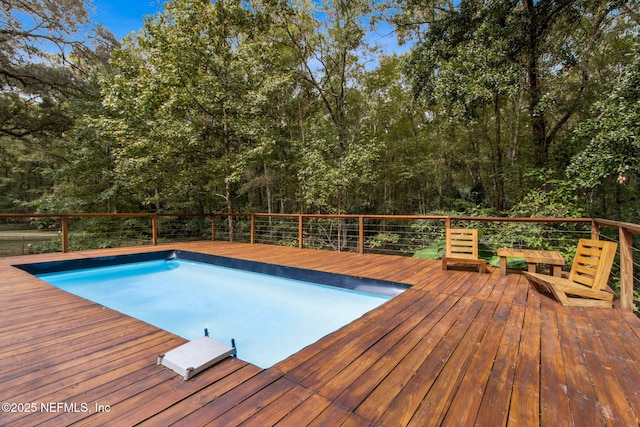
<point x="532" y="267"/>
<point x="503" y="265"/>
<point x="556" y="270"/>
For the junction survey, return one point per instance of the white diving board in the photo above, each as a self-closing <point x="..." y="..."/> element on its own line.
<point x="195" y="356"/>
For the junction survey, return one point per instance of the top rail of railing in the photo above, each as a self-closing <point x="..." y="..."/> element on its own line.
<point x="633" y="227"/>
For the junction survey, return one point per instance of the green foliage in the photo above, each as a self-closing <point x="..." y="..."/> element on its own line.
<point x="435" y="251"/>
<point x="47" y="51"/>
<point x="467" y="59"/>
<point x="549" y="197"/>
<point x="612" y="132"/>
<point x="190" y="101"/>
<point x="512" y="263"/>
<point x="382" y="239"/>
<point x="290" y="107"/>
<point x="337" y="151"/>
<point x="512" y="78"/>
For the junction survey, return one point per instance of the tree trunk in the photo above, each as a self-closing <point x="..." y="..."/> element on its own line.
<point x="268" y="190"/>
<point x="499" y="170"/>
<point x="231" y="224"/>
<point x="538" y="122"/>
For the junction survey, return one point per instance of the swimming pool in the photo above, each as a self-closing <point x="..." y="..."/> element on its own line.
<point x="270" y="311"/>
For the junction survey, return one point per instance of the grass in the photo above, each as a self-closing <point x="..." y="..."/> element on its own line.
<point x="21" y="242"/>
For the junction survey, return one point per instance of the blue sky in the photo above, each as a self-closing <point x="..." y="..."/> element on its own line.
<point x="124" y="16"/>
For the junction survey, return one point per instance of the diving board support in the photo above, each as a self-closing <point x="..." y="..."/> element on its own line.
<point x="195" y="356"/>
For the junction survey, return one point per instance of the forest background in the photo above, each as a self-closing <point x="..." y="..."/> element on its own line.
<point x="500" y="107"/>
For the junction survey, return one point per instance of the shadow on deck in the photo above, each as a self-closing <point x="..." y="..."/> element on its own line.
<point x="458" y="348"/>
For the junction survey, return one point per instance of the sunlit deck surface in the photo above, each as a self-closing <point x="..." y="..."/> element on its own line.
<point x="458" y="348"/>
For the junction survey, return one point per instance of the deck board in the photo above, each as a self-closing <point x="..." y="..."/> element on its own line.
<point x="458" y="348"/>
<point x="496" y="397"/>
<point x="525" y="398"/>
<point x="554" y="402"/>
<point x="454" y="371"/>
<point x="466" y="404"/>
<point x="609" y="391"/>
<point x="580" y="391"/>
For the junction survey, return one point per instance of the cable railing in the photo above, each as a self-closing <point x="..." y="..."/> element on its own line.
<point x="421" y="236"/>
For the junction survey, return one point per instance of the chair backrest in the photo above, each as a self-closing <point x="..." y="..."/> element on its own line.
<point x="592" y="263"/>
<point x="462" y="243"/>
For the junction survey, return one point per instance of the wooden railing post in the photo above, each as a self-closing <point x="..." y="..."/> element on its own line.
<point x="361" y="234"/>
<point x="626" y="269"/>
<point x="154" y="230"/>
<point x="595" y="230"/>
<point x="213" y="226"/>
<point x="65" y="233"/>
<point x="253" y="229"/>
<point x="300" y="232"/>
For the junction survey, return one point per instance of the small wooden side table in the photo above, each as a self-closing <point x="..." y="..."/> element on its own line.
<point x="532" y="258"/>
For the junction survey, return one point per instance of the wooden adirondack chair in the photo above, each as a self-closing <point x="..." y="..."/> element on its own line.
<point x="462" y="248"/>
<point x="587" y="282"/>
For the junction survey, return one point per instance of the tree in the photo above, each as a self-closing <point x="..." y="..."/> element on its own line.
<point x="485" y="64"/>
<point x="44" y="59"/>
<point x="472" y="80"/>
<point x="611" y="157"/>
<point x="337" y="157"/>
<point x="553" y="43"/>
<point x="47" y="51"/>
<point x="407" y="168"/>
<point x="191" y="102"/>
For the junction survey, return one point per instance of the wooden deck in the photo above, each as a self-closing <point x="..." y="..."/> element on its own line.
<point x="458" y="348"/>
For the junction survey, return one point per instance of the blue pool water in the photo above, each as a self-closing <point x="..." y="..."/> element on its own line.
<point x="269" y="317"/>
